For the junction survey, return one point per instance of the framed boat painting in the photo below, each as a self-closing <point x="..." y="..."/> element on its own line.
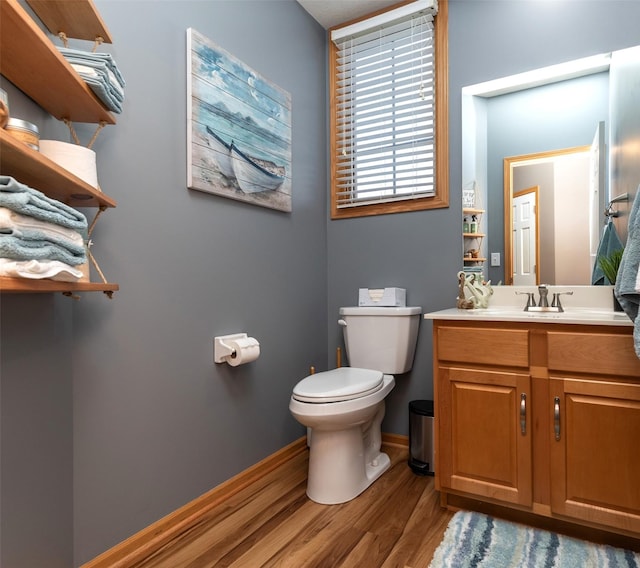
<point x="238" y="129"/>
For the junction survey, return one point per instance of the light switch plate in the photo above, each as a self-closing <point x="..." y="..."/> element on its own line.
<point x="495" y="259"/>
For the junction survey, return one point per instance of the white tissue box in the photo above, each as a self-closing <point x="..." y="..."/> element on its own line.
<point x="387" y="297"/>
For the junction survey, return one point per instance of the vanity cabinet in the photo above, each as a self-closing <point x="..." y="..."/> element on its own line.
<point x="482" y="375"/>
<point x="542" y="418"/>
<point x="594" y="387"/>
<point x="33" y="64"/>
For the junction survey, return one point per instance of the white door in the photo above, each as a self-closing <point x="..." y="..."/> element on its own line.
<point x="525" y="237"/>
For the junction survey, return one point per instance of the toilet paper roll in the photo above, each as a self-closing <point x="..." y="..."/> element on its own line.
<point x="245" y="349"/>
<point x="79" y="160"/>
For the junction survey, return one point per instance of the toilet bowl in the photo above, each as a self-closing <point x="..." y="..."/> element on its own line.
<point x="343" y="408"/>
<point x="344" y="454"/>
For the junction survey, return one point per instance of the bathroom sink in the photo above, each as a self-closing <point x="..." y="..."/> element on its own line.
<point x="506" y="313"/>
<point x="570" y="315"/>
<point x="588" y="316"/>
<point x="591" y="314"/>
<point x="588" y="305"/>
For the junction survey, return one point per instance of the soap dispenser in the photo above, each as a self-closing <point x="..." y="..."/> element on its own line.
<point x="465" y="225"/>
<point x="473" y="226"/>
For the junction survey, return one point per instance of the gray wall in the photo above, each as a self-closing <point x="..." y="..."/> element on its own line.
<point x="36" y="412"/>
<point x="421" y="251"/>
<point x="113" y="413"/>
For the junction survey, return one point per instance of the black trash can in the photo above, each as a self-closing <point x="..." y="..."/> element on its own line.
<point x="421" y="437"/>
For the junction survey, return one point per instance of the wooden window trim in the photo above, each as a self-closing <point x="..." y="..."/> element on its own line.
<point x="441" y="197"/>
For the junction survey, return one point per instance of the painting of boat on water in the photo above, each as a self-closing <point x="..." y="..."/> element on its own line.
<point x="238" y="129"/>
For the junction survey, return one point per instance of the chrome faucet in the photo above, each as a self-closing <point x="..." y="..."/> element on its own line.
<point x="544" y="292"/>
<point x="543" y="303"/>
<point x="555" y="303"/>
<point x="531" y="300"/>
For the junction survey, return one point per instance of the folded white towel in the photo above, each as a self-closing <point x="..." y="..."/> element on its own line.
<point x="57" y="233"/>
<point x="39" y="269"/>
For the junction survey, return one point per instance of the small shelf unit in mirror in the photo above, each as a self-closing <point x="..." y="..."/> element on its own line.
<point x="472" y="237"/>
<point x="35" y="66"/>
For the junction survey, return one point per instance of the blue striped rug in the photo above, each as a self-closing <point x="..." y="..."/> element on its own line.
<point x="473" y="540"/>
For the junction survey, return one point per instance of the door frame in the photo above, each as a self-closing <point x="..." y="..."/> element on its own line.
<point x="508" y="166"/>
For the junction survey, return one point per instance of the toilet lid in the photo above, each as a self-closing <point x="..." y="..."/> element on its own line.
<point x="344" y="383"/>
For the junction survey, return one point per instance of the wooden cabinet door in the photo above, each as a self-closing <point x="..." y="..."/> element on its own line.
<point x="484" y="433"/>
<point x="595" y="452"/>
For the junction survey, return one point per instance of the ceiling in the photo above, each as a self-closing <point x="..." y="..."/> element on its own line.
<point x="332" y="12"/>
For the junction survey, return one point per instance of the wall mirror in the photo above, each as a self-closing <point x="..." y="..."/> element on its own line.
<point x="542" y="118"/>
<point x="552" y="214"/>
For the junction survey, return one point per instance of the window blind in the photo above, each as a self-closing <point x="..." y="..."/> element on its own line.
<point x="385" y="103"/>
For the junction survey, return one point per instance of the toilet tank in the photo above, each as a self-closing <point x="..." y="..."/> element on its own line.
<point x="378" y="338"/>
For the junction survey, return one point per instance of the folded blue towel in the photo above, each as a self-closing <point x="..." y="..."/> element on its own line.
<point x="23" y="249"/>
<point x="102" y="81"/>
<point x="28" y="201"/>
<point x="101" y="74"/>
<point x="35" y="236"/>
<point x="609" y="243"/>
<point x="92" y="58"/>
<point x="102" y="91"/>
<point x="625" y="289"/>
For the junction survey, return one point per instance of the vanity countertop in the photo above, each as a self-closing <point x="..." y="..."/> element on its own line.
<point x="588" y="305"/>
<point x="584" y="316"/>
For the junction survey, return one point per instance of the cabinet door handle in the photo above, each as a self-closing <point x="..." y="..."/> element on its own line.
<point x="523" y="413"/>
<point x="556" y="417"/>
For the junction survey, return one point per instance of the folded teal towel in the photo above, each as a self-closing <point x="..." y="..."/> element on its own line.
<point x="93" y="58"/>
<point x="625" y="289"/>
<point x="102" y="91"/>
<point x="609" y="243"/>
<point x="21" y="249"/>
<point x="28" y="201"/>
<point x="36" y="236"/>
<point x="103" y="83"/>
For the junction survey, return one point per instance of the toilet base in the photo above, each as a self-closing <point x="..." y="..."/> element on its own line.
<point x="340" y="467"/>
<point x="345" y="442"/>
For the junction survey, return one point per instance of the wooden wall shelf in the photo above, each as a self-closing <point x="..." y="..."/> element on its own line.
<point x="468" y="236"/>
<point x="78" y="19"/>
<point x="34" y="65"/>
<point x="26" y="285"/>
<point x="36" y="170"/>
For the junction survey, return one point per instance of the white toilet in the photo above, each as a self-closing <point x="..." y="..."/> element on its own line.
<point x="344" y="407"/>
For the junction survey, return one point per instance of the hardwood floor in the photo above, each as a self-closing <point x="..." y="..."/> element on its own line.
<point x="397" y="522"/>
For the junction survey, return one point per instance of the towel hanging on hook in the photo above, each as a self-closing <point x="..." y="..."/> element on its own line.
<point x="609" y="243"/>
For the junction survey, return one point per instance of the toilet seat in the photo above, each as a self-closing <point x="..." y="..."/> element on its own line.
<point x="337" y="385"/>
